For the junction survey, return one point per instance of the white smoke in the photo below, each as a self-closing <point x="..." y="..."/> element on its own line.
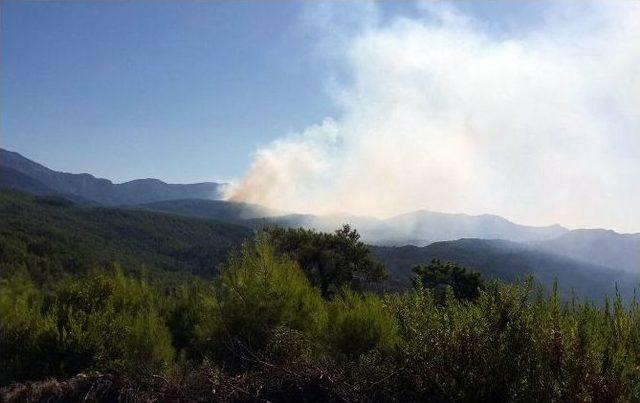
<point x="438" y="113"/>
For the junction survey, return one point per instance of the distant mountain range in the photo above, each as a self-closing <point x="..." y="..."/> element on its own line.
<point x="488" y="243"/>
<point x="419" y="228"/>
<point x="603" y="249"/>
<point x="21" y="173"/>
<point x="12" y="179"/>
<point x="511" y="262"/>
<point x="599" y="246"/>
<point x="429" y="227"/>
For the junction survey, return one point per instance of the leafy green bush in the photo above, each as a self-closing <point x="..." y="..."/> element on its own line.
<point x="27" y="336"/>
<point x="510" y="346"/>
<point x="147" y="347"/>
<point x="438" y="276"/>
<point x="359" y="323"/>
<point x="330" y="261"/>
<point x="101" y="322"/>
<point x="258" y="291"/>
<point x="191" y="313"/>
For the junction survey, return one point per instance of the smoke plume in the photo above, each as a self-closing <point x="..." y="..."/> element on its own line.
<point x="439" y="112"/>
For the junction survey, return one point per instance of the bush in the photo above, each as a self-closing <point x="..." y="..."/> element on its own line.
<point x="510" y="346"/>
<point x="258" y="292"/>
<point x="330" y="261"/>
<point x="27" y="337"/>
<point x="191" y="313"/>
<point x="102" y="322"/>
<point x="147" y="348"/>
<point x="359" y="323"/>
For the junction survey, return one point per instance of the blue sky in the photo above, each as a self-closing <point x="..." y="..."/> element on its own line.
<point x="181" y="91"/>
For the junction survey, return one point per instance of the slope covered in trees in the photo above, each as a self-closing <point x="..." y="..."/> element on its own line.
<point x="12" y="179"/>
<point x="238" y="213"/>
<point x="50" y="236"/>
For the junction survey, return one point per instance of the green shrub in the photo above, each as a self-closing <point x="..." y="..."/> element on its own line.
<point x="330" y="261"/>
<point x="147" y="347"/>
<point x="509" y="346"/>
<point x="359" y="323"/>
<point x="27" y="337"/>
<point x="258" y="291"/>
<point x="191" y="313"/>
<point x="102" y="322"/>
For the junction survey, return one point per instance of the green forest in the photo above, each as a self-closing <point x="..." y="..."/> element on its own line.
<point x="158" y="307"/>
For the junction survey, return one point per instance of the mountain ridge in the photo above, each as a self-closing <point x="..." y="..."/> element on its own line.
<point x="104" y="191"/>
<point x="510" y="262"/>
<point x="421" y="228"/>
<point x="601" y="246"/>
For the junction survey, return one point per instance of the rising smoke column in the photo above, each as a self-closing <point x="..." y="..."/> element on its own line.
<point x="438" y="112"/>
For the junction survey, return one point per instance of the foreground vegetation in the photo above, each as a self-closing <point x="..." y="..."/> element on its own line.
<point x="273" y="327"/>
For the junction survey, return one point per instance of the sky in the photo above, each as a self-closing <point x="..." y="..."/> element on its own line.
<point x="523" y="109"/>
<point x="181" y="91"/>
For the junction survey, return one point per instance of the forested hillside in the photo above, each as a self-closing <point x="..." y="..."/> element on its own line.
<point x="239" y="213"/>
<point x="50" y="236"/>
